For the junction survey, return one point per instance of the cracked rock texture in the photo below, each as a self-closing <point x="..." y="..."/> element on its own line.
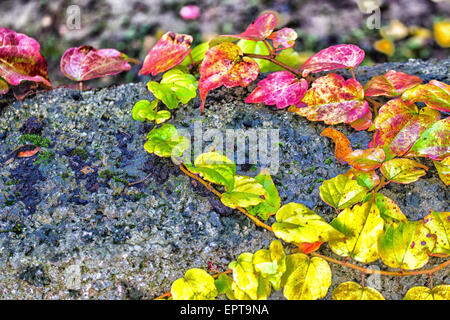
<point x="72" y="228"/>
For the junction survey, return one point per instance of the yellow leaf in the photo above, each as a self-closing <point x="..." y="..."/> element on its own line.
<point x="353" y="291"/>
<point x="395" y="31"/>
<point x="439" y="225"/>
<point x="401" y="170"/>
<point x="197" y="284"/>
<point x="271" y="264"/>
<point x="246" y="192"/>
<point x="441" y="292"/>
<point x="442" y="33"/>
<point x="385" y="46"/>
<point x="342" y="192"/>
<point x="443" y="169"/>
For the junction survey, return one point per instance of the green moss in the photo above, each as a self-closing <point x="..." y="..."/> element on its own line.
<point x="36" y="140"/>
<point x="44" y="157"/>
<point x="106" y="174"/>
<point x="123" y="181"/>
<point x="81" y="153"/>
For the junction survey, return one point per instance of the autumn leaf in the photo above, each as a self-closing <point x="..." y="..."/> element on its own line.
<point x="443" y="169"/>
<point x="86" y="63"/>
<point x="271" y="264"/>
<point x="353" y="291"/>
<point x="362" y="225"/>
<point x="281" y="88"/>
<point x="167" y="53"/>
<point x="334" y="57"/>
<point x="272" y="201"/>
<point x="197" y="284"/>
<point x="284" y="38"/>
<point x="368" y="179"/>
<point x="392" y="84"/>
<point x="439" y="225"/>
<point x="334" y="100"/>
<point x="363" y="123"/>
<point x="225" y="65"/>
<point x="402" y="170"/>
<point x="246" y="192"/>
<point x="342" y="144"/>
<point x="342" y="192"/>
<point x="389" y="210"/>
<point x="366" y="160"/>
<point x="434" y="94"/>
<point x="28" y="153"/>
<point x="20" y="60"/>
<point x="406" y="245"/>
<point x="441" y="292"/>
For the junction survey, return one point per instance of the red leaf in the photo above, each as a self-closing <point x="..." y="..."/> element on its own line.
<point x="28" y="153"/>
<point x="363" y="123"/>
<point x="167" y="53"/>
<point x="258" y="30"/>
<point x="20" y="59"/>
<point x="284" y="38"/>
<point x="307" y="247"/>
<point x="334" y="100"/>
<point x="281" y="88"/>
<point x="225" y="65"/>
<point x="86" y="63"/>
<point x="392" y="84"/>
<point x="366" y="160"/>
<point x="342" y="144"/>
<point x="334" y="57"/>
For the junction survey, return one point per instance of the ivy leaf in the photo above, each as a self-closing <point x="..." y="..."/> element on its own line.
<point x="341" y="192"/>
<point x="402" y="170"/>
<point x="367" y="179"/>
<point x="392" y="84"/>
<point x="20" y="60"/>
<point x="246" y="192"/>
<point x="439" y="224"/>
<point x="443" y="169"/>
<point x="258" y="30"/>
<point x="362" y="226"/>
<point x="167" y="53"/>
<point x="146" y="110"/>
<point x="297" y="223"/>
<point x="284" y="38"/>
<point x="366" y="160"/>
<point x="164" y="93"/>
<point x="86" y="63"/>
<point x="342" y="144"/>
<point x="248" y="280"/>
<point x="434" y="142"/>
<point x="197" y="284"/>
<point x="224" y="285"/>
<point x="389" y="210"/>
<point x="272" y="201"/>
<point x="215" y="168"/>
<point x="435" y="94"/>
<point x="225" y="65"/>
<point x="353" y="291"/>
<point x="334" y="100"/>
<point x="197" y="54"/>
<point x="400" y="125"/>
<point x="165" y="142"/>
<point x="406" y="246"/>
<point x="305" y="278"/>
<point x="184" y="85"/>
<point x="281" y="88"/>
<point x="271" y="264"/>
<point x="441" y="292"/>
<point x="334" y="57"/>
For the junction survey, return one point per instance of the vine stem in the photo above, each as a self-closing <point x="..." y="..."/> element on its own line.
<point x="275" y="61"/>
<point x="375" y="104"/>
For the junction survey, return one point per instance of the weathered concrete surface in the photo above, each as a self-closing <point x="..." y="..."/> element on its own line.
<point x="132" y="241"/>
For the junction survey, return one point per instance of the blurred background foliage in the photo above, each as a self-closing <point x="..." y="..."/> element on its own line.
<point x="407" y="28"/>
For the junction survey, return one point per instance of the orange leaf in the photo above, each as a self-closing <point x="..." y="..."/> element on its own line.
<point x="27" y="154"/>
<point x="343" y="147"/>
<point x="307" y="247"/>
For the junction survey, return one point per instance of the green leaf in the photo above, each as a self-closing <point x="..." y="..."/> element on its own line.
<point x="441" y="292"/>
<point x="215" y="168"/>
<point x="297" y="223"/>
<point x="402" y="170"/>
<point x="165" y="142"/>
<point x="353" y="291"/>
<point x="367" y="179"/>
<point x="406" y="246"/>
<point x="341" y="192"/>
<point x="197" y="284"/>
<point x="439" y="225"/>
<point x="197" y="54"/>
<point x="162" y="116"/>
<point x="164" y="93"/>
<point x="362" y="226"/>
<point x="271" y="264"/>
<point x="184" y="85"/>
<point x="389" y="210"/>
<point x="224" y="286"/>
<point x="144" y="109"/>
<point x="305" y="278"/>
<point x="272" y="201"/>
<point x="247" y="283"/>
<point x="246" y="192"/>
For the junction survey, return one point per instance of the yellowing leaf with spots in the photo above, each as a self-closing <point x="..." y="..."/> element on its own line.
<point x="342" y="192"/>
<point x="441" y="292"/>
<point x="403" y="170"/>
<point x="353" y="291"/>
<point x="389" y="210"/>
<point x="434" y="94"/>
<point x="297" y="223"/>
<point x="439" y="225"/>
<point x="362" y="225"/>
<point x="406" y="246"/>
<point x="247" y="282"/>
<point x="366" y="160"/>
<point x="246" y="192"/>
<point x="392" y="84"/>
<point x="443" y="169"/>
<point x="271" y="264"/>
<point x="305" y="278"/>
<point x="197" y="284"/>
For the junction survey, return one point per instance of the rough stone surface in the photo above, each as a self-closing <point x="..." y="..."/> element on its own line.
<point x="69" y="211"/>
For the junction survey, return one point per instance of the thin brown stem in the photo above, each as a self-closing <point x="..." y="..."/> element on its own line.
<point x="275" y="61"/>
<point x="375" y="105"/>
<point x="139" y="181"/>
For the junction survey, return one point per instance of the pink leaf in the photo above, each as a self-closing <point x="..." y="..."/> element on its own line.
<point x="20" y="59"/>
<point x="190" y="12"/>
<point x="391" y="84"/>
<point x="281" y="88"/>
<point x="258" y="30"/>
<point x="167" y="53"/>
<point x="435" y="94"/>
<point x="366" y="160"/>
<point x="86" y="63"/>
<point x="363" y="123"/>
<point x="284" y="38"/>
<point x="225" y="65"/>
<point x="334" y="57"/>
